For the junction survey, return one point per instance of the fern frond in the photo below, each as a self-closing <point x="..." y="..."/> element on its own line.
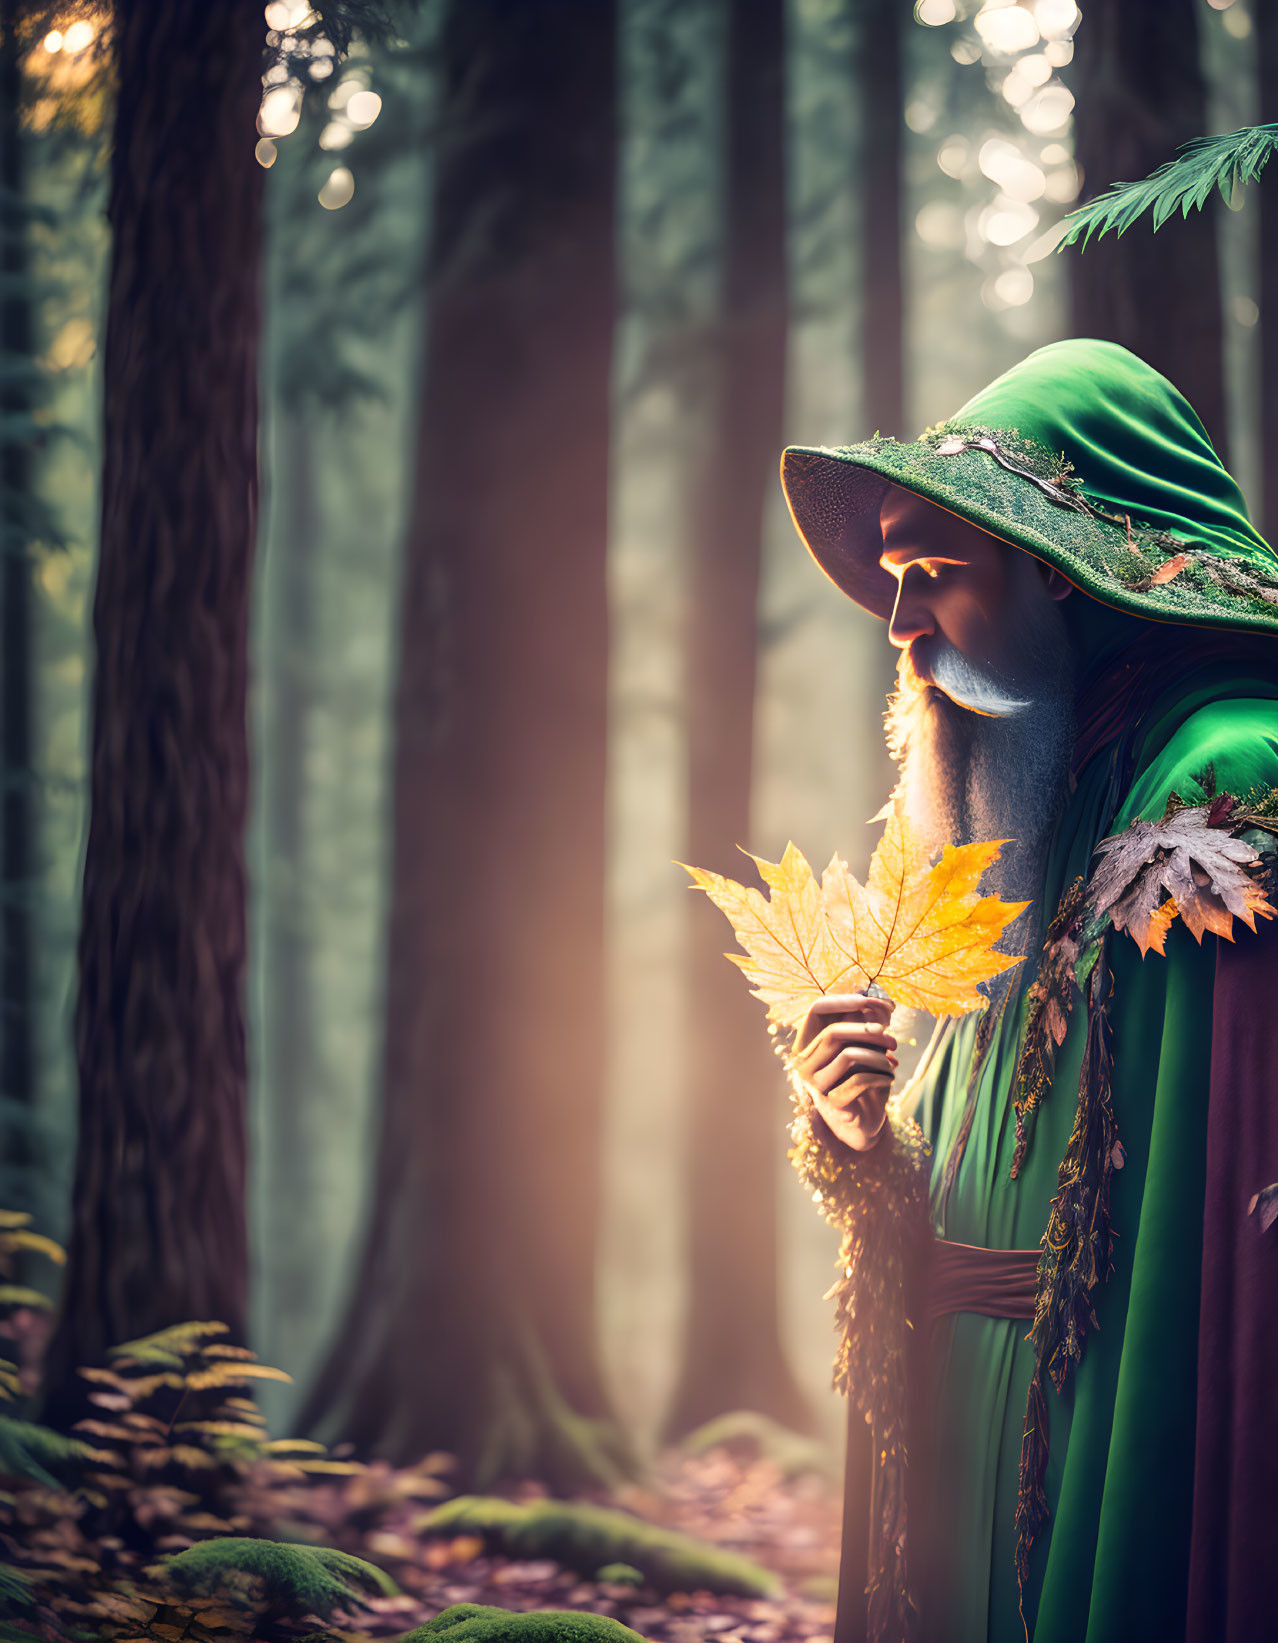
<point x="169" y="1346"/>
<point x="20" y="1295"/>
<point x="186" y="1454"/>
<point x="1185" y="183"/>
<point x="21" y="1238"/>
<point x="220" y="1429"/>
<point x="27" y="1450"/>
<point x="15" y="1586"/>
<point x="140" y="1387"/>
<point x="232" y="1374"/>
<point x="245" y="1407"/>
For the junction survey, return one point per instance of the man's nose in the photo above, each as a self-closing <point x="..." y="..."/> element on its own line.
<point x="911" y="618"/>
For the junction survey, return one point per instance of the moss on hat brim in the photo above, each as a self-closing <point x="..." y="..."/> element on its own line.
<point x="1026" y="495"/>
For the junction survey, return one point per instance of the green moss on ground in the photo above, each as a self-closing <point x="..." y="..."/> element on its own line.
<point x="295" y="1580"/>
<point x="476" y="1623"/>
<point x="584" y="1538"/>
<point x="619" y="1574"/>
<point x="752" y="1436"/>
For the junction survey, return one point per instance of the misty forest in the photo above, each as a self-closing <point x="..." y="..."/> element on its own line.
<point x="397" y="1238"/>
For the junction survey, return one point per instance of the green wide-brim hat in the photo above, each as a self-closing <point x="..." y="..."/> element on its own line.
<point x="1082" y="455"/>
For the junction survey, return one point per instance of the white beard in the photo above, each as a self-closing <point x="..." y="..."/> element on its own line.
<point x="969" y="775"/>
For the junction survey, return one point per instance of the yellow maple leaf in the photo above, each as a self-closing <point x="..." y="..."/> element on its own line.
<point x="920" y="930"/>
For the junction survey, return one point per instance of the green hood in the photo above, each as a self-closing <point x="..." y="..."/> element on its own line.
<point x="1082" y="455"/>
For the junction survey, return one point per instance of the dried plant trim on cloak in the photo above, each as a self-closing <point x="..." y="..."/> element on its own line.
<point x="1206" y="864"/>
<point x="919" y="930"/>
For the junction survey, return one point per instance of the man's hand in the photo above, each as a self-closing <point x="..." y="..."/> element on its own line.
<point x="843" y="1054"/>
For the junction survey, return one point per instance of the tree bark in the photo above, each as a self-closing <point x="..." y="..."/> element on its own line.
<point x="471" y="1324"/>
<point x="733" y="1357"/>
<point x="158" y="1230"/>
<point x="883" y="292"/>
<point x="1140" y="92"/>
<point x="17" y="1002"/>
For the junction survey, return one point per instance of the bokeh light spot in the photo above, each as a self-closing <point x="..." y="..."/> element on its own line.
<point x="1014" y="286"/>
<point x="1057" y="17"/>
<point x="287" y="14"/>
<point x="1006" y="221"/>
<point x="1036" y="69"/>
<point x="338" y="189"/>
<point x="1003" y="163"/>
<point x="940" y="224"/>
<point x="363" y="108"/>
<point x="1048" y="111"/>
<point x="77" y="37"/>
<point x="953" y="155"/>
<point x="336" y="134"/>
<point x="1062" y="184"/>
<point x="1007" y="29"/>
<point x="936" y="12"/>
<point x="1017" y="90"/>
<point x="279" y="113"/>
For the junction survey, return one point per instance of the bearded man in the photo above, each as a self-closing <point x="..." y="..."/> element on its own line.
<point x="1060" y="1284"/>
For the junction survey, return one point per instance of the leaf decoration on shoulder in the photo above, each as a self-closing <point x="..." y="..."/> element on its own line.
<point x="1193" y="863"/>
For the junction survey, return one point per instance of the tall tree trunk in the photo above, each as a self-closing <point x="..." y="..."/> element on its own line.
<point x="158" y="1232"/>
<point x="1140" y="92"/>
<point x="733" y="1357"/>
<point x="883" y="291"/>
<point x="1266" y="14"/>
<point x="471" y="1326"/>
<point x="17" y="1048"/>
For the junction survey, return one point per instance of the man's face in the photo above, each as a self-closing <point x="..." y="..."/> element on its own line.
<point x="961" y="589"/>
<point x="982" y="724"/>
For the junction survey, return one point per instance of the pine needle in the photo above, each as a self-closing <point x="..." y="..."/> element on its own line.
<point x="1185" y="183"/>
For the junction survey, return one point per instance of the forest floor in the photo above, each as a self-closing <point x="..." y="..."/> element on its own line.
<point x="789" y="1525"/>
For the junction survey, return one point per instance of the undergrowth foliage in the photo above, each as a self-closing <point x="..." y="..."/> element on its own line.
<point x="154" y="1519"/>
<point x="170" y="1514"/>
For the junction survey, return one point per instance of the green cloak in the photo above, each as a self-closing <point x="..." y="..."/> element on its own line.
<point x="1113" y="1561"/>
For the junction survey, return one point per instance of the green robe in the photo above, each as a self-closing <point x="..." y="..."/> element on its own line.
<point x="1112" y="1561"/>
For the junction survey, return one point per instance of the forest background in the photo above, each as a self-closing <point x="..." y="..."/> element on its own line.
<point x="528" y="623"/>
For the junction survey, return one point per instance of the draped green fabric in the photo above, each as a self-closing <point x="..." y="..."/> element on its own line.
<point x="1112" y="1562"/>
